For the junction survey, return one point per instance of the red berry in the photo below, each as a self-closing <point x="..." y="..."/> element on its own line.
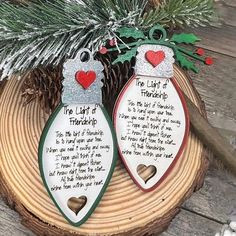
<point x="103" y="50"/>
<point x="209" y="61"/>
<point x="112" y="42"/>
<point x="200" y="51"/>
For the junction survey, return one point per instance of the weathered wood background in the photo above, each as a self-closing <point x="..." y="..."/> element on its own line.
<point x="208" y="209"/>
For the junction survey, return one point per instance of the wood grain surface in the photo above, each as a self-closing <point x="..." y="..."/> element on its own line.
<point x="205" y="212"/>
<point x="123" y="210"/>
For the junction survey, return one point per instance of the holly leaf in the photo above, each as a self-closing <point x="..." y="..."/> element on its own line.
<point x="127" y="56"/>
<point x="126" y="32"/>
<point x="185" y="63"/>
<point x="185" y="38"/>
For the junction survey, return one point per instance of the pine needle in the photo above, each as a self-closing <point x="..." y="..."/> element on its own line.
<point x="42" y="33"/>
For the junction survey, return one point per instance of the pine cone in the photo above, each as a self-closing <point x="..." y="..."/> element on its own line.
<point x="45" y="85"/>
<point x="154" y="3"/>
<point x="115" y="78"/>
<point x="2" y="84"/>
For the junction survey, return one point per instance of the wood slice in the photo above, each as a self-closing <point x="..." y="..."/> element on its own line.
<point x="123" y="210"/>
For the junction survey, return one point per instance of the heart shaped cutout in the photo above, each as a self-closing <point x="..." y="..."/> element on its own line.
<point x="146" y="172"/>
<point x="76" y="204"/>
<point x="155" y="58"/>
<point x="85" y="79"/>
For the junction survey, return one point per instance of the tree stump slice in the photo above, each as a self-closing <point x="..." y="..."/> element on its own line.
<point x="123" y="210"/>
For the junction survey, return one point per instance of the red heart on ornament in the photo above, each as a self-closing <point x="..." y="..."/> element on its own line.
<point x="155" y="58"/>
<point x="85" y="79"/>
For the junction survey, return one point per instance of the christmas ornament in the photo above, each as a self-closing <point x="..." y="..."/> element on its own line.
<point x="150" y="116"/>
<point x="77" y="151"/>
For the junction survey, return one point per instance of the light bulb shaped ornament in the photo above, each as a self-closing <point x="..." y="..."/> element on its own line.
<point x="77" y="150"/>
<point x="151" y="118"/>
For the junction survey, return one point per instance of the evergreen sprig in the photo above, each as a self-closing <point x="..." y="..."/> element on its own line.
<point x="42" y="33"/>
<point x="182" y="55"/>
<point x="181" y="13"/>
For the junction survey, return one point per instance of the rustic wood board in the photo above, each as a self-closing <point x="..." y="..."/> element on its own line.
<point x="216" y="199"/>
<point x="190" y="224"/>
<point x="10" y="222"/>
<point x="217" y="87"/>
<point x="220" y="38"/>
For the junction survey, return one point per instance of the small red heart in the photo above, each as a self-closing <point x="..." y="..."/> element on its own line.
<point x="155" y="58"/>
<point x="85" y="79"/>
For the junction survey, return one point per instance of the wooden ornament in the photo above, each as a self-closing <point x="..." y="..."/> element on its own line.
<point x="151" y="131"/>
<point x="77" y="149"/>
<point x="124" y="208"/>
<point x="151" y="118"/>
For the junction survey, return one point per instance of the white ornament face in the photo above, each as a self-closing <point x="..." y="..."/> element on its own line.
<point x="151" y="118"/>
<point x="77" y="158"/>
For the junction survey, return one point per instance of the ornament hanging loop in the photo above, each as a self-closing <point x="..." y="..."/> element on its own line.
<point x="157" y="29"/>
<point x="84" y="55"/>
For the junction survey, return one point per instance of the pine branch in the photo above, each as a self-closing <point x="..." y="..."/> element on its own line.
<point x="181" y="13"/>
<point x="43" y="33"/>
